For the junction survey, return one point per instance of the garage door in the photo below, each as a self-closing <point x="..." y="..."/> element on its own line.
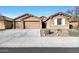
<point x="32" y="25"/>
<point x="18" y="25"/>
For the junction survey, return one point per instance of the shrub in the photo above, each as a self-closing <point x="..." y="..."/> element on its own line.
<point x="44" y="32"/>
<point x="73" y="32"/>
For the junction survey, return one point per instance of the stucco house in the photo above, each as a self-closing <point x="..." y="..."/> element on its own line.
<point x="27" y="21"/>
<point x="61" y="20"/>
<point x="58" y="20"/>
<point x="5" y="23"/>
<point x="60" y="24"/>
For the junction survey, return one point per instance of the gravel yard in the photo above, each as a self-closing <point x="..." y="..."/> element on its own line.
<point x="31" y="38"/>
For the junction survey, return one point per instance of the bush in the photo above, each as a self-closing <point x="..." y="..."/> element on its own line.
<point x="44" y="32"/>
<point x="73" y="32"/>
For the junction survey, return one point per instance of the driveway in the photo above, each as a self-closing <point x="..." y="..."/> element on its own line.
<point x="31" y="38"/>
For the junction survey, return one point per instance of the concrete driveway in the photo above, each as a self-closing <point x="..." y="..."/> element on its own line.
<point x="31" y="38"/>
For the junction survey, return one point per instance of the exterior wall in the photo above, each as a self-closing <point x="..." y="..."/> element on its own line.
<point x="32" y="19"/>
<point x="2" y="25"/>
<point x="51" y="23"/>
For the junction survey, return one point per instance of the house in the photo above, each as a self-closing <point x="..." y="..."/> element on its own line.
<point x="27" y="21"/>
<point x="60" y="24"/>
<point x="58" y="21"/>
<point x="5" y="23"/>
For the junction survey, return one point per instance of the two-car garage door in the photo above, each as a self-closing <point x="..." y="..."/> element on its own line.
<point x="32" y="25"/>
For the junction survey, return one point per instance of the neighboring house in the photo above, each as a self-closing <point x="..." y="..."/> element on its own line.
<point x="5" y="22"/>
<point x="27" y="21"/>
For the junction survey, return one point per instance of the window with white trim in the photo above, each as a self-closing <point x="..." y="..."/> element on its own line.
<point x="59" y="21"/>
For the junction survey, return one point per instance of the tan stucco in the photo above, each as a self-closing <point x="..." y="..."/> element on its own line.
<point x="5" y="22"/>
<point x="50" y="23"/>
<point x="2" y="25"/>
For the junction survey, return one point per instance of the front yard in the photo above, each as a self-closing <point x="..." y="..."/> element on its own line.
<point x="59" y="33"/>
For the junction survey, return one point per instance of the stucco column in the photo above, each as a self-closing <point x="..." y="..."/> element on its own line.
<point x="13" y="24"/>
<point x="40" y="24"/>
<point x="22" y="25"/>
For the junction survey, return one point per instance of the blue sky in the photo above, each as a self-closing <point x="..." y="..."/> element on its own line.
<point x="14" y="11"/>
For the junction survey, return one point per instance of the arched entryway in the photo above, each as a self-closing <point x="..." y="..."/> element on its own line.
<point x="70" y="26"/>
<point x="43" y="25"/>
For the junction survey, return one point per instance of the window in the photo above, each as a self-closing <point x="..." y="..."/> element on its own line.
<point x="59" y="21"/>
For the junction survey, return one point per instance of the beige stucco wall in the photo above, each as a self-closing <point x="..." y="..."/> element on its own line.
<point x="50" y="23"/>
<point x="32" y="19"/>
<point x="2" y="25"/>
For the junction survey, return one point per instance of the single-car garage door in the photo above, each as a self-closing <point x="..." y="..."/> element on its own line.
<point x="18" y="25"/>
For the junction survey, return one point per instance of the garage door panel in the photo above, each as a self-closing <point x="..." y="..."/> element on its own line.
<point x="18" y="25"/>
<point x="32" y="25"/>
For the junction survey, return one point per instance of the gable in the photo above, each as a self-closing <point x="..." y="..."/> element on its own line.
<point x="27" y="17"/>
<point x="59" y="15"/>
<point x="54" y="20"/>
<point x="32" y="19"/>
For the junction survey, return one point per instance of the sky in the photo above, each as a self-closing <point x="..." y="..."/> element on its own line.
<point x="15" y="11"/>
